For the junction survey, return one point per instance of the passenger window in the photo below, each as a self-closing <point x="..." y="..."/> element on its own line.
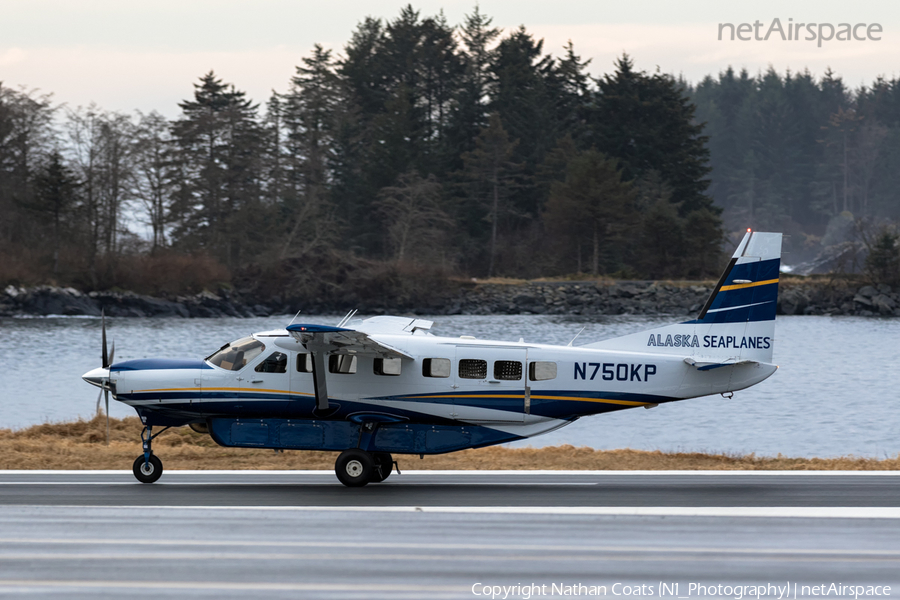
<point x="342" y="363"/>
<point x="436" y="367"/>
<point x="541" y="371"/>
<point x="276" y="363"/>
<point x="387" y="366"/>
<point x="507" y="370"/>
<point x="304" y="363"/>
<point x="470" y="368"/>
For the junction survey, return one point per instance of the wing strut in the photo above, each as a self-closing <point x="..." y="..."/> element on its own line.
<point x="323" y="340"/>
<point x="318" y="365"/>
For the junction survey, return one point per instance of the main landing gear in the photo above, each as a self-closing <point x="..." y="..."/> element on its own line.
<point x="147" y="467"/>
<point x="356" y="468"/>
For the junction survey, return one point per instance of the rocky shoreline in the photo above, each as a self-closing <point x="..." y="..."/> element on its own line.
<point x="796" y="296"/>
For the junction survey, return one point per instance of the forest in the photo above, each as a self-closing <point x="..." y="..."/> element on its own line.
<point x="425" y="151"/>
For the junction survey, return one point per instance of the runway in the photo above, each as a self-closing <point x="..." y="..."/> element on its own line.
<point x="458" y="488"/>
<point x="438" y="534"/>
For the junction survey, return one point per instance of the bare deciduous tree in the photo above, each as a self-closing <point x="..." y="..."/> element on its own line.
<point x="412" y="215"/>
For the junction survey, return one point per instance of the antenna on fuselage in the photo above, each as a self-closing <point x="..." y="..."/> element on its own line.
<point x="347" y="317"/>
<point x="576" y="336"/>
<point x="295" y="317"/>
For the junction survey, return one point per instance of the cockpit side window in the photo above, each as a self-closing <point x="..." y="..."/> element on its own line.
<point x="236" y="355"/>
<point x="275" y="363"/>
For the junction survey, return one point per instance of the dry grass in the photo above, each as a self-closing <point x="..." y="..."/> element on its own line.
<point x="81" y="445"/>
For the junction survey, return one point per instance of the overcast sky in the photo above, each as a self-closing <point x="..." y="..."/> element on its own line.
<point x="137" y="54"/>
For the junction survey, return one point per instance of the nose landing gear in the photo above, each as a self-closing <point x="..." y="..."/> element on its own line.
<point x="147" y="468"/>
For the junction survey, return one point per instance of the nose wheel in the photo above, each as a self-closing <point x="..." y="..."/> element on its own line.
<point x="147" y="470"/>
<point x="147" y="467"/>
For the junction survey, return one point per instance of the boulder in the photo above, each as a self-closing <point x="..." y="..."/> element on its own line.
<point x="792" y="302"/>
<point x="884" y="304"/>
<point x="860" y="299"/>
<point x="867" y="291"/>
<point x="47" y="300"/>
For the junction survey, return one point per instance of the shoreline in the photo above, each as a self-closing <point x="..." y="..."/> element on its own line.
<point x="81" y="445"/>
<point x="796" y="296"/>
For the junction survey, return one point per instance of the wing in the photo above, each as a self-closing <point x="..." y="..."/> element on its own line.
<point x="338" y="340"/>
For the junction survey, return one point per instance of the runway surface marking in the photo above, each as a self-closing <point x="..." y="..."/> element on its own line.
<point x="418" y="546"/>
<point x="815" y="512"/>
<point x="462" y="472"/>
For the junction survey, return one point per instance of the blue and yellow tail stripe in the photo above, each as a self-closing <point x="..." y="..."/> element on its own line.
<point x="748" y="292"/>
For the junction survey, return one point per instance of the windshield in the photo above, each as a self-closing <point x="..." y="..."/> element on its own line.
<point x="236" y="355"/>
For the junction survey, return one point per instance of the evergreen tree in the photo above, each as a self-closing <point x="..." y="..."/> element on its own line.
<point x="27" y="139"/>
<point x="593" y="209"/>
<point x="525" y="105"/>
<point x="55" y="197"/>
<point x="218" y="143"/>
<point x="491" y="177"/>
<point x="468" y="111"/>
<point x="647" y="123"/>
<point x="310" y="116"/>
<point x="569" y="87"/>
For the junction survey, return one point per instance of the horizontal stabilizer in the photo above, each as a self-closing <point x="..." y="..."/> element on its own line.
<point x="708" y="365"/>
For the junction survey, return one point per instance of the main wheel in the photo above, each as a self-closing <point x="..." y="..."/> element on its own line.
<point x="354" y="467"/>
<point x="147" y="472"/>
<point x="384" y="464"/>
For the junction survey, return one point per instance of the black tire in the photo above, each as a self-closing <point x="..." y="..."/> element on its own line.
<point x="384" y="464"/>
<point x="354" y="467"/>
<point x="153" y="471"/>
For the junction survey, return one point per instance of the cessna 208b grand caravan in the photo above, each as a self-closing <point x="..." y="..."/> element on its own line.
<point x="383" y="385"/>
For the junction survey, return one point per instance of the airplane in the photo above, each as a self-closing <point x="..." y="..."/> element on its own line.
<point x="371" y="388"/>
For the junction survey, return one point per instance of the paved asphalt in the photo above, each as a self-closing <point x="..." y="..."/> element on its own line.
<point x="303" y="535"/>
<point x="191" y="488"/>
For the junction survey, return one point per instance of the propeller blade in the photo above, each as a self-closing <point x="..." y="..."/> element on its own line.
<point x="100" y="395"/>
<point x="106" y="394"/>
<point x="103" y="325"/>
<point x="112" y="352"/>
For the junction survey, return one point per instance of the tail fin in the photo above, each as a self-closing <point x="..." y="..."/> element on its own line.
<point x="748" y="289"/>
<point x="737" y="323"/>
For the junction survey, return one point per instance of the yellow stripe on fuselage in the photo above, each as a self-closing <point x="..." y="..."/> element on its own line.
<point x="460" y="396"/>
<point x="536" y="397"/>
<point x="221" y="389"/>
<point x="600" y="400"/>
<point x="740" y="286"/>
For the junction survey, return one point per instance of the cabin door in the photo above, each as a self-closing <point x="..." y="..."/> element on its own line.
<point x="491" y="384"/>
<point x="267" y="384"/>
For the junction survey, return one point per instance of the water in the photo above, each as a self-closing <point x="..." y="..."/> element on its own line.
<point x="835" y="394"/>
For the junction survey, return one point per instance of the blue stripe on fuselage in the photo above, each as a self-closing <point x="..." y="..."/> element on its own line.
<point x="582" y="403"/>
